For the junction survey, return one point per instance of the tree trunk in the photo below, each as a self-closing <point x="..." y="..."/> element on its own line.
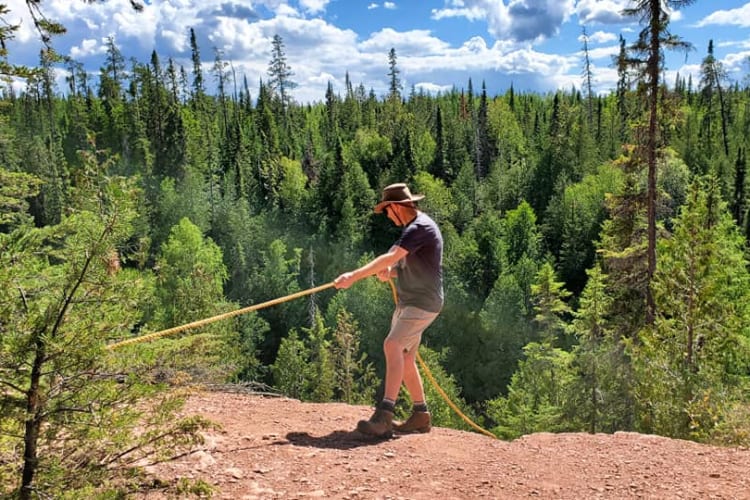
<point x="653" y="84"/>
<point x="33" y="424"/>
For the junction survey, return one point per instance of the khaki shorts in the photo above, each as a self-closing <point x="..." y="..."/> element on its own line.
<point x="407" y="326"/>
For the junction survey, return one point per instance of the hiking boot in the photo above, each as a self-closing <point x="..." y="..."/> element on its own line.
<point x="380" y="424"/>
<point x="419" y="421"/>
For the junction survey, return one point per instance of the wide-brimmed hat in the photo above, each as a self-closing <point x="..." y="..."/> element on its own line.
<point x="396" y="193"/>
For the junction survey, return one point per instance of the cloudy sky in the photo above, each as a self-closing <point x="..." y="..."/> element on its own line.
<point x="535" y="45"/>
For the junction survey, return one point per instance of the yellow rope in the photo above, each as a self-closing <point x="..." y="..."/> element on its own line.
<point x="230" y="314"/>
<point x="440" y="390"/>
<point x="262" y="305"/>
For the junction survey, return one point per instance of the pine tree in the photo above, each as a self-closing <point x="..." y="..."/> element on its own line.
<point x="290" y="369"/>
<point x="692" y="364"/>
<point x="587" y="78"/>
<point x="355" y="376"/>
<point x="321" y="367"/>
<point x="394" y="86"/>
<point x="651" y="41"/>
<point x="713" y="75"/>
<point x="77" y="413"/>
<point x="279" y="76"/>
<point x="599" y="398"/>
<point x="550" y="308"/>
<point x="739" y="196"/>
<point x="195" y="55"/>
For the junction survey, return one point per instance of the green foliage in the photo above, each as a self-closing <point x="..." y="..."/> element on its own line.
<point x="15" y="189"/>
<point x="501" y="339"/>
<point x="536" y="394"/>
<point x="485" y="251"/>
<point x="191" y="274"/>
<point x="355" y="376"/>
<point x="290" y="369"/>
<point x="622" y="248"/>
<point x="573" y="221"/>
<point x="370" y="302"/>
<point x="520" y="236"/>
<point x="318" y="366"/>
<point x="437" y="202"/>
<point x="177" y="200"/>
<point x="292" y="194"/>
<point x="371" y="150"/>
<point x="265" y="178"/>
<point x="550" y="308"/>
<point x="189" y="283"/>
<point x="72" y="414"/>
<point x="322" y="363"/>
<point x="599" y="395"/>
<point x="697" y="349"/>
<point x="276" y="276"/>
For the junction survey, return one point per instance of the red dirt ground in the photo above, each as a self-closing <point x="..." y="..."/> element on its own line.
<point x="272" y="447"/>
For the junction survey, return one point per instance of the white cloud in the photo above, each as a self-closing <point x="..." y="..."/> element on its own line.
<point x="743" y="44"/>
<point x="521" y="20"/>
<point x="600" y="37"/>
<point x="406" y="43"/>
<point x="372" y="6"/>
<point x="472" y="14"/>
<point x="601" y="11"/>
<point x="389" y="5"/>
<point x="603" y="52"/>
<point x="431" y="88"/>
<point x="734" y="17"/>
<point x="314" y="6"/>
<point x="86" y="48"/>
<point x="737" y="62"/>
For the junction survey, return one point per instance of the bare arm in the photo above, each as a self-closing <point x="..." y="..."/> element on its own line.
<point x="379" y="265"/>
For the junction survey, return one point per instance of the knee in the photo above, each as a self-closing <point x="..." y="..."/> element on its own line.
<point x="390" y="346"/>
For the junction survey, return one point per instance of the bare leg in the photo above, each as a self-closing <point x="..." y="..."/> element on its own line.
<point x="412" y="379"/>
<point x="394" y="368"/>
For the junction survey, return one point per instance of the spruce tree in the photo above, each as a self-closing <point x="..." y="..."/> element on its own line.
<point x="652" y="40"/>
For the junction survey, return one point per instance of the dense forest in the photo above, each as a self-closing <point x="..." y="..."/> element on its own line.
<point x="595" y="260"/>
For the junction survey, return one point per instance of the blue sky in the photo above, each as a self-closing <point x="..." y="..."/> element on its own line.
<point x="534" y="45"/>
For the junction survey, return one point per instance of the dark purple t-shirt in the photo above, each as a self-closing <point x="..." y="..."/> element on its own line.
<point x="420" y="273"/>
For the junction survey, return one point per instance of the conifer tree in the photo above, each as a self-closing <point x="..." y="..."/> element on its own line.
<point x="355" y="375"/>
<point x="394" y="86"/>
<point x="279" y="76"/>
<point x="70" y="407"/>
<point x="550" y="308"/>
<point x="195" y="55"/>
<point x="587" y="78"/>
<point x="652" y="40"/>
<point x="693" y="362"/>
<point x="483" y="143"/>
<point x="713" y="75"/>
<point x="739" y="195"/>
<point x="599" y="398"/>
<point x="290" y="369"/>
<point x="322" y="381"/>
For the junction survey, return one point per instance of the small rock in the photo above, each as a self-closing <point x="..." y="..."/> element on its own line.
<point x="234" y="472"/>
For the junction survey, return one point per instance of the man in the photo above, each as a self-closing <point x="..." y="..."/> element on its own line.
<point x="416" y="259"/>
